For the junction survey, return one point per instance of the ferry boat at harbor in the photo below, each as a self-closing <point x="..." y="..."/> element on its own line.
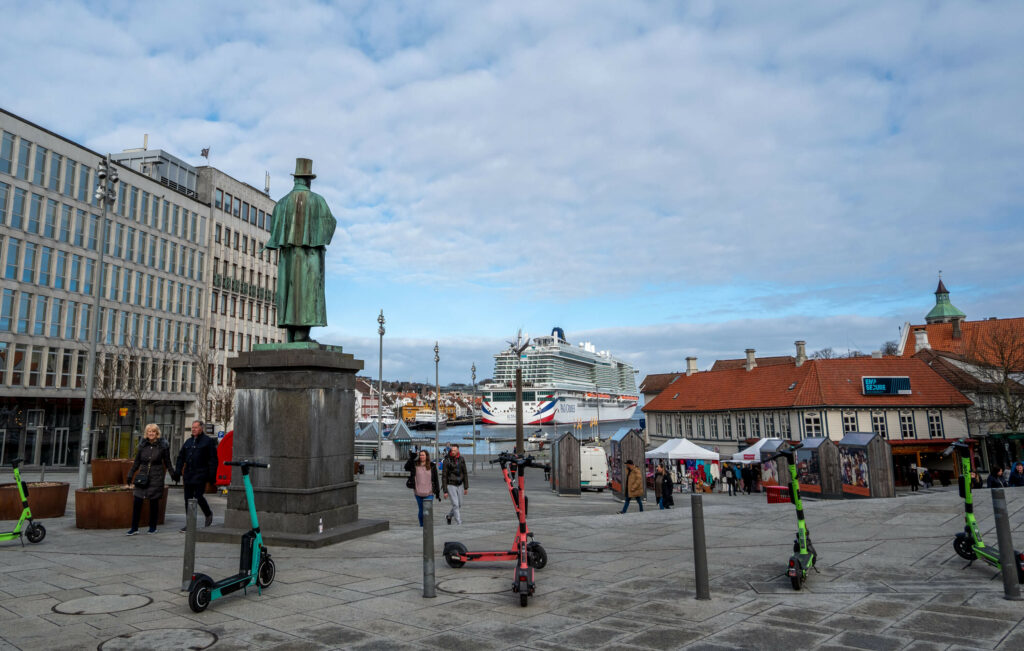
<point x="562" y="384"/>
<point x="425" y="419"/>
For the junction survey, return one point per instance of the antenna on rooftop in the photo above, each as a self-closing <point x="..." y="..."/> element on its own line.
<point x="266" y="185"/>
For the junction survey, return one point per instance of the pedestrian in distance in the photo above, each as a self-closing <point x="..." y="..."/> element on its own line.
<point x="196" y="466"/>
<point x="634" y="486"/>
<point x="915" y="485"/>
<point x="996" y="478"/>
<point x="926" y="478"/>
<point x="666" y="501"/>
<point x="453" y="477"/>
<point x="748" y="478"/>
<point x="659" y="474"/>
<point x="975" y="479"/>
<point x="1017" y="476"/>
<point x="422" y="479"/>
<point x="152" y="461"/>
<point x="730" y="479"/>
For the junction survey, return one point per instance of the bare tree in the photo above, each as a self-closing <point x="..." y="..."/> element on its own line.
<point x="223" y="399"/>
<point x="890" y="347"/>
<point x="824" y="353"/>
<point x="107" y="392"/>
<point x="996" y="355"/>
<point x="204" y="359"/>
<point x="137" y="381"/>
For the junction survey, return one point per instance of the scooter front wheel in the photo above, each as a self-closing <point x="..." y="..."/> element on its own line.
<point x="964" y="548"/>
<point x="266" y="573"/>
<point x="536" y="556"/>
<point x="199" y="595"/>
<point x="452" y="554"/>
<point x="35" y="533"/>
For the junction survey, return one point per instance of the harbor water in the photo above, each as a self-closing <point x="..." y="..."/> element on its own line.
<point x="494" y="439"/>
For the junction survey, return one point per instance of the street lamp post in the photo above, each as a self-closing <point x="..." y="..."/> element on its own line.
<point x="106" y="194"/>
<point x="437" y="401"/>
<point x="472" y="411"/>
<point x="380" y="392"/>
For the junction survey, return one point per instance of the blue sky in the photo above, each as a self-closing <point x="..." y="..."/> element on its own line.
<point x="662" y="179"/>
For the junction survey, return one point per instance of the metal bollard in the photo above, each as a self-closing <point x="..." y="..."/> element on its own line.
<point x="1007" y="561"/>
<point x="428" y="549"/>
<point x="189" y="564"/>
<point x="700" y="550"/>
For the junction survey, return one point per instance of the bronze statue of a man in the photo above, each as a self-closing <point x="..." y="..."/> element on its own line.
<point x="302" y="226"/>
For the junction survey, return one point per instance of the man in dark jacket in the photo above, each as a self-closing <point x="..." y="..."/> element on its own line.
<point x="1017" y="476"/>
<point x="197" y="465"/>
<point x="453" y="477"/>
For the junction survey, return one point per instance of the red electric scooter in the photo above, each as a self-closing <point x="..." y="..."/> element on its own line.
<point x="528" y="555"/>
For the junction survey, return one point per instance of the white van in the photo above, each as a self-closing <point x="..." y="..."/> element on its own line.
<point x="593" y="468"/>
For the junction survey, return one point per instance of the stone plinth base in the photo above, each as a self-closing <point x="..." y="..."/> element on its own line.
<point x="294" y="409"/>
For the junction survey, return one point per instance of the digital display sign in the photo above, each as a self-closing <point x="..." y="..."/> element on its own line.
<point x="886" y="386"/>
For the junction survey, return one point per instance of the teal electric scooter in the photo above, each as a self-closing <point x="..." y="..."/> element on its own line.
<point x="254" y="568"/>
<point x="968" y="543"/>
<point x="804" y="556"/>
<point x="35" y="532"/>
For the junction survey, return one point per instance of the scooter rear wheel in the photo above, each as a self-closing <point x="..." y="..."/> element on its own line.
<point x="199" y="596"/>
<point x="964" y="549"/>
<point x="797" y="581"/>
<point x="35" y="533"/>
<point x="452" y="553"/>
<point x="266" y="573"/>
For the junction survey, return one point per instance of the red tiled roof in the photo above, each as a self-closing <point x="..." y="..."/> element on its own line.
<point x="821" y="382"/>
<point x="656" y="382"/>
<point x="977" y="340"/>
<point x="726" y="364"/>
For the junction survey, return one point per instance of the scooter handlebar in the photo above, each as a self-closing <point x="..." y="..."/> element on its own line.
<point x="959" y="444"/>
<point x="247" y="464"/>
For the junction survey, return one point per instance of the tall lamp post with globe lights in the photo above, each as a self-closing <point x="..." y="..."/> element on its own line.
<point x="437" y="401"/>
<point x="106" y="194"/>
<point x="380" y="392"/>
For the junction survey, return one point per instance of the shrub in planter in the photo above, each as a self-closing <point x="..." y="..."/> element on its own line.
<point x="110" y="507"/>
<point x="110" y="472"/>
<point x="47" y="499"/>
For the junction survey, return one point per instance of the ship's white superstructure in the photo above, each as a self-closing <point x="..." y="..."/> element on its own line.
<point x="562" y="384"/>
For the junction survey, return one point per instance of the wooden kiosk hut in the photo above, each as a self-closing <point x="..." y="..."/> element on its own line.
<point x="625" y="445"/>
<point x="565" y="465"/>
<point x="776" y="471"/>
<point x="817" y="468"/>
<point x="865" y="465"/>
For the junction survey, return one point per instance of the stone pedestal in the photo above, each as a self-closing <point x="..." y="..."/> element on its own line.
<point x="294" y="409"/>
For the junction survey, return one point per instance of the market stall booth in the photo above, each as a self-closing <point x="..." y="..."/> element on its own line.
<point x="865" y="465"/>
<point x="625" y="445"/>
<point x="749" y="460"/>
<point x="565" y="465"/>
<point x="774" y="472"/>
<point x="686" y="459"/>
<point x="817" y="468"/>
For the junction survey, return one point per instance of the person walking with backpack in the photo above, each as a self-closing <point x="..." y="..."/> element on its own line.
<point x="453" y="477"/>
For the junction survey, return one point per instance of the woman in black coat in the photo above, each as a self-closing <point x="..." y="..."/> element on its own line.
<point x="154" y="459"/>
<point x="666" y="491"/>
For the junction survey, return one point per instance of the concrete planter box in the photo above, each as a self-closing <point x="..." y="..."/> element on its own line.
<point x="46" y="499"/>
<point x="110" y="472"/>
<point x="110" y="507"/>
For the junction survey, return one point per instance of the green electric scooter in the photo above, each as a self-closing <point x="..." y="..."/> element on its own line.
<point x="255" y="566"/>
<point x="968" y="543"/>
<point x="804" y="556"/>
<point x="35" y="532"/>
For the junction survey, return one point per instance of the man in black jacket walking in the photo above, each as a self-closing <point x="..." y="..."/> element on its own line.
<point x="197" y="465"/>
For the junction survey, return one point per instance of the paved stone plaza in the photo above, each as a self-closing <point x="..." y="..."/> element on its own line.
<point x="889" y="580"/>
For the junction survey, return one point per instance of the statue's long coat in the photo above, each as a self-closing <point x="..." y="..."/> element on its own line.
<point x="302" y="226"/>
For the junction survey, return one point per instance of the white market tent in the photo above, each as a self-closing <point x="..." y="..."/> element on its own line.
<point x="673" y="449"/>
<point x="751" y="454"/>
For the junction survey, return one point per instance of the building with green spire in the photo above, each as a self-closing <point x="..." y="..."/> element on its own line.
<point x="944" y="311"/>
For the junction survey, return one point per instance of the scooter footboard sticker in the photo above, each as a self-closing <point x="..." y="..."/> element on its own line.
<point x="102" y="604"/>
<point x="171" y="639"/>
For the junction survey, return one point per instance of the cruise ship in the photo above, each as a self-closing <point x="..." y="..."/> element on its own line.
<point x="562" y="383"/>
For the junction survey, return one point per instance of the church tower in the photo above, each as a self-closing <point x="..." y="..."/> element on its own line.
<point x="944" y="311"/>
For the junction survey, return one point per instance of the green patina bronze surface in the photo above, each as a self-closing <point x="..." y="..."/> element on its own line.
<point x="297" y="345"/>
<point x="301" y="227"/>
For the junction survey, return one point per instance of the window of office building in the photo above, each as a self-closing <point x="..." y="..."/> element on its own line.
<point x="39" y="324"/>
<point x="83" y="184"/>
<point x="56" y="317"/>
<point x="65" y="370"/>
<point x="40" y="176"/>
<point x="56" y="160"/>
<point x="218" y="198"/>
<point x="237" y="208"/>
<point x="69" y="178"/>
<point x="13" y="253"/>
<point x="28" y="263"/>
<point x="18" y="369"/>
<point x="812" y="424"/>
<point x="6" y="152"/>
<point x="66" y="217"/>
<point x="45" y="261"/>
<point x="17" y="208"/>
<point x="5" y="191"/>
<point x="878" y="425"/>
<point x="24" y="153"/>
<point x="24" y="313"/>
<point x="35" y="206"/>
<point x="907" y="425"/>
<point x="7" y="309"/>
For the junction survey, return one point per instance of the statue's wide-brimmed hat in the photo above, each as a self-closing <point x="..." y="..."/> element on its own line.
<point x="304" y="168"/>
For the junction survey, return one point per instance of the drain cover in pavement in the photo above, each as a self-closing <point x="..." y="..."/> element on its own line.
<point x="171" y="639"/>
<point x="102" y="604"/>
<point x="477" y="584"/>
